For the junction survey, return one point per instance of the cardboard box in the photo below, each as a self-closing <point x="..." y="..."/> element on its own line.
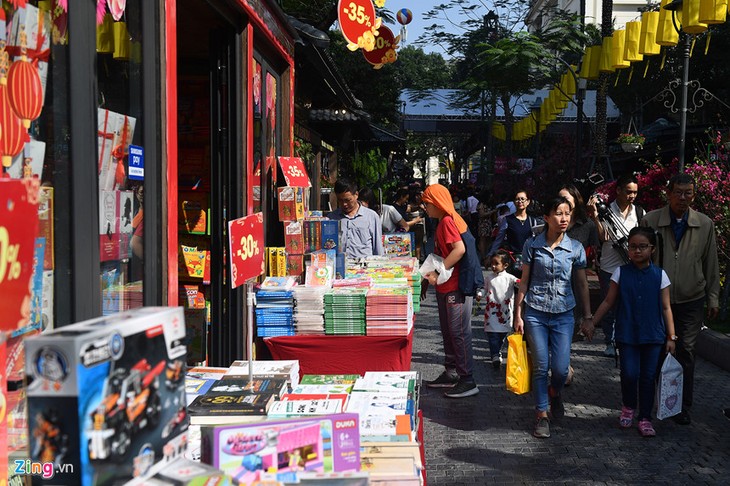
<point x="293" y="237"/>
<point x="106" y="397"/>
<point x="291" y="203"/>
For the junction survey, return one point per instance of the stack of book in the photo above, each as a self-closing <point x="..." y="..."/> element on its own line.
<point x="389" y="311"/>
<point x="274" y="313"/>
<point x="286" y="369"/>
<point x="309" y="310"/>
<point x="344" y="311"/>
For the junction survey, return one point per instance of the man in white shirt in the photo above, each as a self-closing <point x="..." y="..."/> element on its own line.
<point x="624" y="216"/>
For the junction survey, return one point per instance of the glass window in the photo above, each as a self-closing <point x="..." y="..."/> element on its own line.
<point x="121" y="163"/>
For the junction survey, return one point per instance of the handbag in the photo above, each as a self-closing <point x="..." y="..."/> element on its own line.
<point x="518" y="365"/>
<point x="669" y="388"/>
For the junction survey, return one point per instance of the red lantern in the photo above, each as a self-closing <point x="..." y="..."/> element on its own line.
<point x="14" y="135"/>
<point x="25" y="90"/>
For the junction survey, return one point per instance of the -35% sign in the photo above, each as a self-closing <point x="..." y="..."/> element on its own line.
<point x="9" y="264"/>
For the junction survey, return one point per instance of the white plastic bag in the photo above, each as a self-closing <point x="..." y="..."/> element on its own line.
<point x="435" y="263"/>
<point x="669" y="389"/>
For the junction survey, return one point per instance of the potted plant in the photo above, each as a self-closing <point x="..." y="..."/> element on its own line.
<point x="631" y="142"/>
<point x="325" y="185"/>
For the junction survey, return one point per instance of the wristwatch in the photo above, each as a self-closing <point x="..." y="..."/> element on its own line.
<point x="672" y="337"/>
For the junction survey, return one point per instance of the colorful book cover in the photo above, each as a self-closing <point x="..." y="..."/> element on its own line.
<point x="225" y="408"/>
<point x="194" y="262"/>
<point x="295" y="266"/>
<point x="256" y="386"/>
<point x="398" y="244"/>
<point x="36" y="295"/>
<point x="330" y="234"/>
<point x="293" y="237"/>
<point x="328" y="379"/>
<point x="193" y="216"/>
<point x="290" y="204"/>
<point x="322" y="444"/>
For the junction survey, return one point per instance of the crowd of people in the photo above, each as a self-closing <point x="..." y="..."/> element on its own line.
<point x="658" y="272"/>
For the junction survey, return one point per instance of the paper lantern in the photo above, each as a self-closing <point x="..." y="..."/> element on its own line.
<point x="691" y="17"/>
<point x="585" y="63"/>
<point x="713" y="11"/>
<point x="404" y="16"/>
<point x="631" y="46"/>
<point x="122" y="42"/>
<point x="595" y="62"/>
<point x="605" y="65"/>
<point x="617" y="50"/>
<point x="13" y="136"/>
<point x="666" y="34"/>
<point x="25" y="91"/>
<point x="647" y="41"/>
<point x="105" y="36"/>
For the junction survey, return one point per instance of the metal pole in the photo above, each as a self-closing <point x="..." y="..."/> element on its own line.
<point x="250" y="301"/>
<point x="685" y="84"/>
<point x="579" y="130"/>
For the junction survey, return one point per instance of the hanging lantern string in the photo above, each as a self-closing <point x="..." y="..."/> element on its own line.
<point x="618" y="75"/>
<point x="692" y="47"/>
<point x="707" y="41"/>
<point x="664" y="58"/>
<point x="646" y="69"/>
<point x="631" y="74"/>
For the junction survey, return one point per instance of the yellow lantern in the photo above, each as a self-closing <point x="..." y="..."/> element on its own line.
<point x="105" y="35"/>
<point x="605" y="66"/>
<point x="647" y="41"/>
<point x="666" y="34"/>
<point x="617" y="50"/>
<point x="595" y="62"/>
<point x="633" y="38"/>
<point x="585" y="64"/>
<point x="713" y="11"/>
<point x="691" y="17"/>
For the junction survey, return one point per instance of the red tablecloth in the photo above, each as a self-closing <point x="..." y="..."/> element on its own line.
<point x="344" y="354"/>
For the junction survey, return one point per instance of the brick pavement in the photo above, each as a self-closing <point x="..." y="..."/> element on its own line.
<point x="487" y="439"/>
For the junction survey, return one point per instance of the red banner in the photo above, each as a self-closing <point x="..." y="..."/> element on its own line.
<point x="294" y="171"/>
<point x="246" y="243"/>
<point x="18" y="231"/>
<point x="356" y="17"/>
<point x="385" y="46"/>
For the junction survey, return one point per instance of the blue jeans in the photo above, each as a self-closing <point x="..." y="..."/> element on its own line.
<point x="548" y="337"/>
<point x="496" y="340"/>
<point x="609" y="319"/>
<point x="455" y="321"/>
<point x="639" y="365"/>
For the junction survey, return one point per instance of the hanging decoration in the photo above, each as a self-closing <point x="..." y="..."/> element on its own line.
<point x="385" y="49"/>
<point x="691" y="17"/>
<point x="100" y="11"/>
<point x="24" y="86"/>
<point x="647" y="38"/>
<point x="633" y="39"/>
<point x="404" y="17"/>
<point x="116" y="7"/>
<point x="122" y="41"/>
<point x="618" y="43"/>
<point x="713" y="11"/>
<point x="12" y="134"/>
<point x="105" y="36"/>
<point x="358" y="23"/>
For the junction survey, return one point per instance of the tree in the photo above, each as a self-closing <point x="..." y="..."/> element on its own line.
<point x="419" y="70"/>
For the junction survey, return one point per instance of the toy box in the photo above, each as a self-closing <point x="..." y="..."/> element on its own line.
<point x="321" y="444"/>
<point x="106" y="397"/>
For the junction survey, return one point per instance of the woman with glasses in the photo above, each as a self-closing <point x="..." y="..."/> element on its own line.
<point x="518" y="228"/>
<point x="644" y="327"/>
<point x="554" y="265"/>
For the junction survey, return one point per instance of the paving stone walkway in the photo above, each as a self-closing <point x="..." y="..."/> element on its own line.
<point x="487" y="438"/>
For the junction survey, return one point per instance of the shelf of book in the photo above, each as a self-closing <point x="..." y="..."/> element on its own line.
<point x="344" y="354"/>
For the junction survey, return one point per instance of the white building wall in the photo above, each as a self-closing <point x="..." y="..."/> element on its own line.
<point x="623" y="11"/>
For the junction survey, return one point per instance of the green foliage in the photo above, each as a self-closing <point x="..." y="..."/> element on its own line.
<point x="369" y="169"/>
<point x="420" y="71"/>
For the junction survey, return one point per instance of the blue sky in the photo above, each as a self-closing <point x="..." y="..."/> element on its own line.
<point x="417" y="25"/>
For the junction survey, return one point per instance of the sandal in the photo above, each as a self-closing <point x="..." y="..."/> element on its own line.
<point x="627" y="417"/>
<point x="646" y="429"/>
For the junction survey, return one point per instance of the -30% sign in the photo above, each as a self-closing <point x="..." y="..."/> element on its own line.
<point x="249" y="248"/>
<point x="9" y="265"/>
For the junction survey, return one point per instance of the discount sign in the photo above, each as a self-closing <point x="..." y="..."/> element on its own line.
<point x="246" y="243"/>
<point x="294" y="171"/>
<point x="18" y="231"/>
<point x="385" y="48"/>
<point x="358" y="23"/>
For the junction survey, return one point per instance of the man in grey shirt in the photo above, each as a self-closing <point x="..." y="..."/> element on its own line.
<point x="360" y="228"/>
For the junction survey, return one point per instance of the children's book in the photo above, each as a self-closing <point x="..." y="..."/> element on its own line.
<point x="229" y="408"/>
<point x="243" y="386"/>
<point x="328" y="379"/>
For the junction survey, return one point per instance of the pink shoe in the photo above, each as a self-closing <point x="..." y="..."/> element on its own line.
<point x="627" y="417"/>
<point x="646" y="429"/>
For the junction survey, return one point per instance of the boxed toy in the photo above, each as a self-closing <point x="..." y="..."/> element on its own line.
<point x="322" y="444"/>
<point x="107" y="397"/>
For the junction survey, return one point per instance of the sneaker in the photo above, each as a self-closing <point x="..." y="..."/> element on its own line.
<point x="626" y="419"/>
<point x="542" y="428"/>
<point x="682" y="418"/>
<point x="646" y="429"/>
<point x="557" y="409"/>
<point x="462" y="389"/>
<point x="610" y="351"/>
<point x="496" y="361"/>
<point x="445" y="380"/>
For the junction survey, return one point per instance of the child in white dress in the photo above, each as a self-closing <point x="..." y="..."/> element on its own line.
<point x="499" y="303"/>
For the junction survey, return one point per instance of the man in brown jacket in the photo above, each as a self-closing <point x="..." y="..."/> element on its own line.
<point x="688" y="254"/>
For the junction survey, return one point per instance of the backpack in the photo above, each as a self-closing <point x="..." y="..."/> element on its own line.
<point x="470" y="268"/>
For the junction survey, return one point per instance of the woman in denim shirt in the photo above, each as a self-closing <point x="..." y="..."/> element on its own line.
<point x="552" y="261"/>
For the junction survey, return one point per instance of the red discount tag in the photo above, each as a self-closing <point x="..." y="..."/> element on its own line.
<point x="246" y="241"/>
<point x="294" y="171"/>
<point x="385" y="45"/>
<point x="358" y="22"/>
<point x="18" y="231"/>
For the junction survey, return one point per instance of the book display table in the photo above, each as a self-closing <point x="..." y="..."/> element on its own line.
<point x="344" y="354"/>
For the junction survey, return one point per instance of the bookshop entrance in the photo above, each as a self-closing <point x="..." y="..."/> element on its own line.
<point x="210" y="176"/>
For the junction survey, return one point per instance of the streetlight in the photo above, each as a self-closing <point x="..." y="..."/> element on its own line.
<point x="673" y="7"/>
<point x="535" y="108"/>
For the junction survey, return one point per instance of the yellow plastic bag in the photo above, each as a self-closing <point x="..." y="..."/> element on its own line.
<point x="518" y="365"/>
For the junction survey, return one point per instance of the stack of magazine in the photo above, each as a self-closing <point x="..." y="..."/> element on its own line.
<point x="389" y="311"/>
<point x="309" y="310"/>
<point x="274" y="313"/>
<point x="344" y="311"/>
